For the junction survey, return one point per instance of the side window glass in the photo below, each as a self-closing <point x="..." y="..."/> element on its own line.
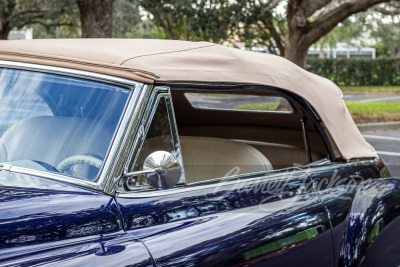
<point x="159" y="137"/>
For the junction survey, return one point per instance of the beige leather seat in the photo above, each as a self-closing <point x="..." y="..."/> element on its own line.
<point x="283" y="156"/>
<point x="53" y="139"/>
<point x="207" y="158"/>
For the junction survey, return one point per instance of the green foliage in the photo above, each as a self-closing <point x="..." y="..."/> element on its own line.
<point x="145" y="29"/>
<point x="388" y="34"/>
<point x="205" y="20"/>
<point x="261" y="25"/>
<point x="269" y="106"/>
<point x="16" y="14"/>
<point x="126" y="17"/>
<point x="381" y="49"/>
<point x="346" y="32"/>
<point x="251" y="22"/>
<point x="62" y="24"/>
<point x="356" y="71"/>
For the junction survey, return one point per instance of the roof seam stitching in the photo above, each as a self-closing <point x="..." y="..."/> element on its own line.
<point x="170" y="52"/>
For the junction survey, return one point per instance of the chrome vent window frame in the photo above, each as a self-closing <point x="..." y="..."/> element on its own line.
<point x="118" y="143"/>
<point x="153" y="99"/>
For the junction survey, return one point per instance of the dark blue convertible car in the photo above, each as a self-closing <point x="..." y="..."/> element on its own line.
<point x="168" y="153"/>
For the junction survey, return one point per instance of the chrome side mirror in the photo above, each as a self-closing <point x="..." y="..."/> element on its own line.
<point x="161" y="169"/>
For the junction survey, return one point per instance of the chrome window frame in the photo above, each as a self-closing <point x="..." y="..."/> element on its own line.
<point x="154" y="98"/>
<point x="115" y="156"/>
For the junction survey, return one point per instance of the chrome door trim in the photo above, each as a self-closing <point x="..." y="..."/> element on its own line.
<point x="117" y="144"/>
<point x="234" y="180"/>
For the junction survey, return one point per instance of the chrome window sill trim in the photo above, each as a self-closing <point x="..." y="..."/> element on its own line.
<point x="103" y="175"/>
<point x="196" y="186"/>
<point x="66" y="71"/>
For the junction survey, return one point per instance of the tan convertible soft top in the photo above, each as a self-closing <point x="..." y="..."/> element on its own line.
<point x="166" y="60"/>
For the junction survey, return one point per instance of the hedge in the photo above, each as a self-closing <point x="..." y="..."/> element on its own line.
<point x="357" y="71"/>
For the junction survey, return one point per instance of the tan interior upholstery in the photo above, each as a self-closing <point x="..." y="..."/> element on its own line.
<point x="53" y="139"/>
<point x="283" y="156"/>
<point x="291" y="137"/>
<point x="207" y="158"/>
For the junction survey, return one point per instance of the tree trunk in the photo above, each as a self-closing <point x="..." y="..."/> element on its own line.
<point x="167" y="29"/>
<point x="96" y="18"/>
<point x="4" y="31"/>
<point x="302" y="34"/>
<point x="6" y="13"/>
<point x="295" y="46"/>
<point x="296" y="51"/>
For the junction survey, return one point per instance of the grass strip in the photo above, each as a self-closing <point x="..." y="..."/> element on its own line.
<point x="370" y="88"/>
<point x="268" y="106"/>
<point x="363" y="112"/>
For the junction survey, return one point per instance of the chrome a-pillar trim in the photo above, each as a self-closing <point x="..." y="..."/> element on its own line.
<point x="112" y="156"/>
<point x="126" y="137"/>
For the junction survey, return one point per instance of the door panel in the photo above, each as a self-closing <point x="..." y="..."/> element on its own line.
<point x="45" y="221"/>
<point x="336" y="185"/>
<point x="275" y="219"/>
<point x="120" y="250"/>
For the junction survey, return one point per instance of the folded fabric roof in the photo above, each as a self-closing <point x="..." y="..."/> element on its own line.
<point x="151" y="61"/>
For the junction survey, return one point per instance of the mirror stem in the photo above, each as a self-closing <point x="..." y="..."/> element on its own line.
<point x="137" y="173"/>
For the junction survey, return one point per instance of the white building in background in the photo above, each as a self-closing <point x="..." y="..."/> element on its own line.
<point x="342" y="50"/>
<point x="26" y="34"/>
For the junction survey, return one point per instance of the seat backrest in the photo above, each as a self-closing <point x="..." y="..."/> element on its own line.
<point x="283" y="156"/>
<point x="52" y="139"/>
<point x="207" y="158"/>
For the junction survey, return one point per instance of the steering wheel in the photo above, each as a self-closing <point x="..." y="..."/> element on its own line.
<point x="78" y="159"/>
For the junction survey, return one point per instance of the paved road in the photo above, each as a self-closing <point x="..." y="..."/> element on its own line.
<point x="382" y="97"/>
<point x="387" y="144"/>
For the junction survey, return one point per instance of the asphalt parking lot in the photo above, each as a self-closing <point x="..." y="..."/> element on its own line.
<point x="387" y="144"/>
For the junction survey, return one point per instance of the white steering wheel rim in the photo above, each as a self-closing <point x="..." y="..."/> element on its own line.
<point x="79" y="159"/>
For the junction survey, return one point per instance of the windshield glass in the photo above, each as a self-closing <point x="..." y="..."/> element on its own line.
<point x="57" y="123"/>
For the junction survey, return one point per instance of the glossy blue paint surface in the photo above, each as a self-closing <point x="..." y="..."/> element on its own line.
<point x="281" y="219"/>
<point x="266" y="221"/>
<point x="360" y="205"/>
<point x="375" y="208"/>
<point x="117" y="250"/>
<point x="44" y="221"/>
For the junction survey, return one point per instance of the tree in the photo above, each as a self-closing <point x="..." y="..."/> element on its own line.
<point x="96" y="18"/>
<point x="260" y="25"/>
<point x="15" y="14"/>
<point x="126" y="17"/>
<point x="389" y="34"/>
<point x="202" y="20"/>
<point x="309" y="20"/>
<point x="347" y="31"/>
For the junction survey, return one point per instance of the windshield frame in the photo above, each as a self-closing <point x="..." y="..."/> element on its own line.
<point x="116" y="141"/>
